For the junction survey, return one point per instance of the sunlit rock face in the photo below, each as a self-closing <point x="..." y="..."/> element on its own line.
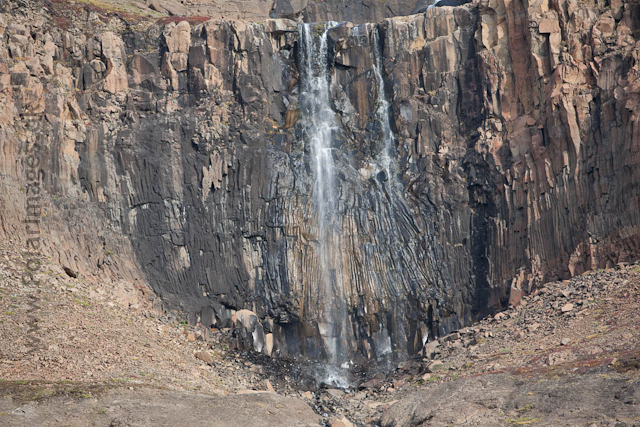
<point x="358" y="12"/>
<point x="467" y="154"/>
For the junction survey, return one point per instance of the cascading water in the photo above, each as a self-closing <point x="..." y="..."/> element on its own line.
<point x="320" y="125"/>
<point x="382" y="111"/>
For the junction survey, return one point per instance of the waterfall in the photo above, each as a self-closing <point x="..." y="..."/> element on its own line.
<point x="382" y="111"/>
<point x="320" y="123"/>
<point x="319" y="126"/>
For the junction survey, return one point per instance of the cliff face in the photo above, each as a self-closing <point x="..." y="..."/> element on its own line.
<point x="177" y="155"/>
<point x="361" y="11"/>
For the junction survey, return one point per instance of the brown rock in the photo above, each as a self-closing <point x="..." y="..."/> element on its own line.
<point x="47" y="64"/>
<point x="178" y="38"/>
<point x="142" y="65"/>
<point x="567" y="308"/>
<point x="451" y="337"/>
<point x="431" y="348"/>
<point x="258" y="369"/>
<point x="205" y="356"/>
<point x="269" y="386"/>
<point x="5" y="81"/>
<point x="197" y="56"/>
<point x="617" y="9"/>
<point x="515" y="296"/>
<point x="179" y="61"/>
<point x="560" y="357"/>
<point x="372" y="383"/>
<point x="169" y="72"/>
<point x="54" y="106"/>
<point x="34" y="66"/>
<point x="212" y="76"/>
<point x="606" y="25"/>
<point x="341" y="422"/>
<point x="280" y="25"/>
<point x="548" y="26"/>
<point x="268" y="344"/>
<point x="49" y="47"/>
<point x="335" y="393"/>
<point x="111" y="45"/>
<point x="116" y="79"/>
<point x="168" y="7"/>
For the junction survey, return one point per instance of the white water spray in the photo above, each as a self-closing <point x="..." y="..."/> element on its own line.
<point x="382" y="111"/>
<point x="320" y="125"/>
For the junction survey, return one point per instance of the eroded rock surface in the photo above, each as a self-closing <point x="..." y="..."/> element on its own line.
<point x="145" y="406"/>
<point x="174" y="155"/>
<point x="585" y="399"/>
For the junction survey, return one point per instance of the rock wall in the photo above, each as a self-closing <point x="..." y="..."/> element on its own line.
<point x="173" y="155"/>
<point x="308" y="10"/>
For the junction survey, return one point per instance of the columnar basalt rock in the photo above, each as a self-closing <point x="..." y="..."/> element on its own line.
<point x="174" y="155"/>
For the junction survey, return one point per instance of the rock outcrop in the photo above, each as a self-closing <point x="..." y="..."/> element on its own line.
<point x="309" y="10"/>
<point x="160" y="406"/>
<point x="174" y="155"/>
<point x="484" y="401"/>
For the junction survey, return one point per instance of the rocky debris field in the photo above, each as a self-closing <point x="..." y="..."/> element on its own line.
<point x="64" y="328"/>
<point x="569" y="354"/>
<point x="85" y="351"/>
<point x="81" y="350"/>
<point x="597" y="398"/>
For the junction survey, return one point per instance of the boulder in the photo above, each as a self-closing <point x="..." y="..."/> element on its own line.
<point x="340" y="422"/>
<point x="268" y="344"/>
<point x="431" y="349"/>
<point x="567" y="307"/>
<point x="111" y="45"/>
<point x="548" y="26"/>
<point x="178" y="38"/>
<point x="560" y="357"/>
<point x="116" y="79"/>
<point x="169" y="72"/>
<point x="205" y="356"/>
<point x="515" y="296"/>
<point x="280" y="26"/>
